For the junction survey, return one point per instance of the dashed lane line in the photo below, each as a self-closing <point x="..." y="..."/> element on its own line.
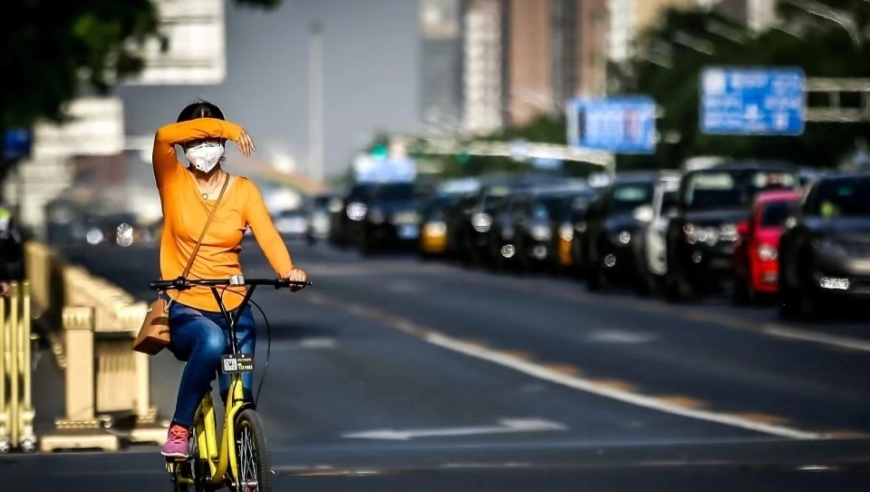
<point x="698" y="315"/>
<point x="612" y="389"/>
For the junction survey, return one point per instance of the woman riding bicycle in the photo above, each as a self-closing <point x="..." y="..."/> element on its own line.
<point x="199" y="334"/>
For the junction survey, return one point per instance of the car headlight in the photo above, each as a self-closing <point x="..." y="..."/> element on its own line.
<point x="356" y="211"/>
<point x="695" y="234"/>
<point x="481" y="222"/>
<point x="95" y="236"/>
<point x="124" y="235"/>
<point x="437" y="228"/>
<point x="335" y="205"/>
<point x="566" y="232"/>
<point x="766" y="252"/>
<point x="622" y="237"/>
<point x="541" y="232"/>
<point x="728" y="232"/>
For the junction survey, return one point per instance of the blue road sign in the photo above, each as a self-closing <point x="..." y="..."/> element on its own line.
<point x="752" y="101"/>
<point x="623" y="125"/>
<point x="17" y="144"/>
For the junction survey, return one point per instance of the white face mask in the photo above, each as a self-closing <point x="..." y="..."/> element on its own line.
<point x="205" y="157"/>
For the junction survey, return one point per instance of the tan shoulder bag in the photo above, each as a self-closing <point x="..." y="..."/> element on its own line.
<point x="154" y="335"/>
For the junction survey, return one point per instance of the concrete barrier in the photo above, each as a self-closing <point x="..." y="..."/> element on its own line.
<point x="106" y="382"/>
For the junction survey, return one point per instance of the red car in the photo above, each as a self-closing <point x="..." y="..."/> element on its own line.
<point x="755" y="260"/>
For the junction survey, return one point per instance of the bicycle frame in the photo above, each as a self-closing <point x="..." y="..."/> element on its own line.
<point x="220" y="456"/>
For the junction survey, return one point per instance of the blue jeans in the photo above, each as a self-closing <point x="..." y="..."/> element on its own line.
<point x="199" y="338"/>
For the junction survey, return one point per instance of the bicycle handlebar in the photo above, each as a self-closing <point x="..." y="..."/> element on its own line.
<point x="184" y="284"/>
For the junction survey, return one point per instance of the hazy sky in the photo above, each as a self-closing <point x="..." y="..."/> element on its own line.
<point x="370" y="73"/>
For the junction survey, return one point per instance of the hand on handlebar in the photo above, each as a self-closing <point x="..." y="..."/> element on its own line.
<point x="295" y="275"/>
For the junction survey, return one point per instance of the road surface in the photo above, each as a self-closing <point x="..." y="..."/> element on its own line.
<point x="393" y="374"/>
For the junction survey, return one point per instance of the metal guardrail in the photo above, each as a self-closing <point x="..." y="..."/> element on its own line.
<point x="16" y="409"/>
<point x="91" y="325"/>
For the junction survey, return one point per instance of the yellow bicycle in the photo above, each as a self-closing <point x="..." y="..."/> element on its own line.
<point x="239" y="460"/>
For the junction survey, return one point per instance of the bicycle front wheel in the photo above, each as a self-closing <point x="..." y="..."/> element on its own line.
<point x="252" y="453"/>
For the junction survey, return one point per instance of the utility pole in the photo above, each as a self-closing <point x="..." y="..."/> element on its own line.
<point x="315" y="102"/>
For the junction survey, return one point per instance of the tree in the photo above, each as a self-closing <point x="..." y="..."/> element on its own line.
<point x="53" y="49"/>
<point x="685" y="41"/>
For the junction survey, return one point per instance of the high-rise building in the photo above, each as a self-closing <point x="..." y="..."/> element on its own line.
<point x="594" y="25"/>
<point x="441" y="62"/>
<point x="484" y="57"/>
<point x="556" y="51"/>
<point x="756" y="14"/>
<point x="629" y="18"/>
<point x="530" y="50"/>
<point x="197" y="44"/>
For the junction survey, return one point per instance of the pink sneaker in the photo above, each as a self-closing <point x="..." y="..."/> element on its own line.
<point x="177" y="443"/>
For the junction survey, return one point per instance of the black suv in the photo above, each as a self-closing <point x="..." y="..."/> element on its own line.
<point x="824" y="251"/>
<point x="391" y="218"/>
<point x="610" y="228"/>
<point x="711" y="205"/>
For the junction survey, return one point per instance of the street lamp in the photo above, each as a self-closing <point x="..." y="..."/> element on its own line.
<point x="315" y="102"/>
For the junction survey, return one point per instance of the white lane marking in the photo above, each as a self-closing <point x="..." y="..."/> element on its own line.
<point x="505" y="426"/>
<point x="428" y="335"/>
<point x="617" y="336"/>
<point x="814" y="336"/>
<point x="317" y="343"/>
<point x="587" y="385"/>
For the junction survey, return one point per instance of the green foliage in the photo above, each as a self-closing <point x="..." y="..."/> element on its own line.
<point x="54" y="49"/>
<point x="669" y="71"/>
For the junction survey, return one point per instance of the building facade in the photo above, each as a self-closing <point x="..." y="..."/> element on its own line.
<point x="483" y="65"/>
<point x="628" y="20"/>
<point x="441" y="63"/>
<point x="758" y="15"/>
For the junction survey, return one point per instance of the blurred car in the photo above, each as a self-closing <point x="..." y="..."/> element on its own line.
<point x="436" y="215"/>
<point x="611" y="226"/>
<point x="473" y="220"/>
<point x="650" y="248"/>
<point x="756" y="267"/>
<point x="503" y="235"/>
<point x="318" y="218"/>
<point x="433" y="230"/>
<point x="346" y="228"/>
<point x="703" y="232"/>
<point x="541" y="227"/>
<point x="824" y="250"/>
<point x="391" y="219"/>
<point x="97" y="229"/>
<point x="565" y="239"/>
<point x="292" y="223"/>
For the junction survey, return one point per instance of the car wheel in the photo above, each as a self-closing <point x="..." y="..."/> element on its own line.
<point x="743" y="293"/>
<point x="678" y="287"/>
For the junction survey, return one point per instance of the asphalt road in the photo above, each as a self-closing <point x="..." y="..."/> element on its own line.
<point x="392" y="374"/>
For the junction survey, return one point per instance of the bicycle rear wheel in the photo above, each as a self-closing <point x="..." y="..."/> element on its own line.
<point x="252" y="453"/>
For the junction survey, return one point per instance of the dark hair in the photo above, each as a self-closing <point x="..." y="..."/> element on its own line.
<point x="200" y="109"/>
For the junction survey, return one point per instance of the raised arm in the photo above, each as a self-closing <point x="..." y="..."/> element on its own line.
<point x="267" y="236"/>
<point x="166" y="166"/>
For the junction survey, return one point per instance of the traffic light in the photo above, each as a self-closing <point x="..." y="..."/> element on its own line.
<point x="463" y="157"/>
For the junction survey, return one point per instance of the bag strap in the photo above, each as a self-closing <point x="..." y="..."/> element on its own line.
<point x="205" y="228"/>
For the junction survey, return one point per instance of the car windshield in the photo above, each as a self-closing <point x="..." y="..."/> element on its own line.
<point x="399" y="191"/>
<point x="495" y="198"/>
<point x="733" y="188"/>
<point x="550" y="206"/>
<point x="774" y="213"/>
<point x="837" y="198"/>
<point x="625" y="198"/>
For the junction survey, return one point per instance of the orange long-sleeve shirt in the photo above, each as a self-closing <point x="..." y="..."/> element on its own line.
<point x="185" y="212"/>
